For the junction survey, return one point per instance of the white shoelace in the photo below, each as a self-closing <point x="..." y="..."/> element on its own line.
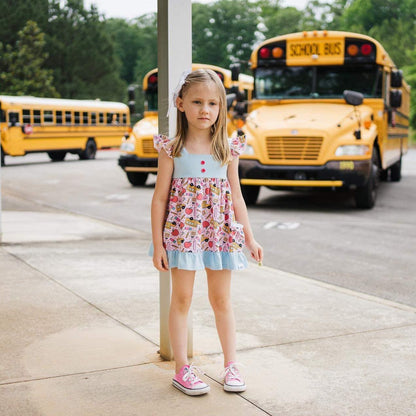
<point x="191" y="374"/>
<point x="232" y="372"/>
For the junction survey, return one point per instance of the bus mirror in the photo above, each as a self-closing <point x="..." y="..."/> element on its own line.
<point x="13" y="118"/>
<point x="235" y="71"/>
<point x="241" y="108"/>
<point x="353" y="97"/>
<point x="395" y="98"/>
<point x="396" y="79"/>
<point x="234" y="90"/>
<point x="230" y="99"/>
<point x="132" y="107"/>
<point x="130" y="93"/>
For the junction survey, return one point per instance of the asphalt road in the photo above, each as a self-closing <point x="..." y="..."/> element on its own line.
<point x="320" y="235"/>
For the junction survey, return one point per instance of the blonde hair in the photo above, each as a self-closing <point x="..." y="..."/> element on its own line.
<point x="220" y="148"/>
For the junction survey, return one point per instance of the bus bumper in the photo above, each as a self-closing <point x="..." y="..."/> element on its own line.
<point x="334" y="174"/>
<point x="133" y="163"/>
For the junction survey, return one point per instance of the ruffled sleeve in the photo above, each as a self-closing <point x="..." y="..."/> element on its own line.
<point x="237" y="145"/>
<point x="160" y="141"/>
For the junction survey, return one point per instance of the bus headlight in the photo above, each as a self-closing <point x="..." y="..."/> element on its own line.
<point x="249" y="151"/>
<point x="127" y="147"/>
<point x="352" y="150"/>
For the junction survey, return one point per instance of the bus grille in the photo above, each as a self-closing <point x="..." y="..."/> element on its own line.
<point x="293" y="148"/>
<point x="148" y="149"/>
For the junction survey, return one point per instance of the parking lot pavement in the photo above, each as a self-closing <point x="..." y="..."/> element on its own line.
<point x="80" y="332"/>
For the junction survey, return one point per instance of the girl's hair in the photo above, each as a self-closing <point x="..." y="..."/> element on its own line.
<point x="220" y="148"/>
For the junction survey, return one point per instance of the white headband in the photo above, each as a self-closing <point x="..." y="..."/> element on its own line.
<point x="177" y="90"/>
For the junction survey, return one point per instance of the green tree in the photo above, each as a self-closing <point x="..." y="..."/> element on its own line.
<point x="279" y="21"/>
<point x="147" y="45"/>
<point x="23" y="66"/>
<point x="82" y="53"/>
<point x="224" y="31"/>
<point x="127" y="39"/>
<point x="14" y="15"/>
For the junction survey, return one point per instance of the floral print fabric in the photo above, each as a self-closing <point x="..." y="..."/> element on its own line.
<point x="200" y="228"/>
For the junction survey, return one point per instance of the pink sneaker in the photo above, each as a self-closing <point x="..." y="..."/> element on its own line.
<point x="188" y="382"/>
<point x="233" y="381"/>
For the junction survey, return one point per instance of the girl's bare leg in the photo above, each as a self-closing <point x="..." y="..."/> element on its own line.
<point x="181" y="299"/>
<point x="219" y="292"/>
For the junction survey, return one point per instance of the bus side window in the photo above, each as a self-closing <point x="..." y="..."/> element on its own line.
<point x="59" y="117"/>
<point x="93" y="118"/>
<point x="13" y="118"/>
<point x="26" y="117"/>
<point x="101" y="118"/>
<point x="77" y="119"/>
<point x="115" y="120"/>
<point x="47" y="117"/>
<point x="68" y="117"/>
<point x="85" y="117"/>
<point x="36" y="117"/>
<point x="124" y="119"/>
<point x="109" y="118"/>
<point x="2" y="116"/>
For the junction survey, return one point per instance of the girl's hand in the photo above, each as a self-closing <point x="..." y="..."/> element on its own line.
<point x="160" y="259"/>
<point x="256" y="251"/>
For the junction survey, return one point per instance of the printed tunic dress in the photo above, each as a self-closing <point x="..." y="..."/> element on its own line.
<point x="200" y="228"/>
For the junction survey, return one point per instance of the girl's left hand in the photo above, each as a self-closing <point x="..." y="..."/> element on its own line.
<point x="256" y="250"/>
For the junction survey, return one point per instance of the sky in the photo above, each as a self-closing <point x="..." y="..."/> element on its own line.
<point x="129" y="9"/>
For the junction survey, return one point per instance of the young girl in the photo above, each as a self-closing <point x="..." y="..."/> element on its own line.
<point x="200" y="221"/>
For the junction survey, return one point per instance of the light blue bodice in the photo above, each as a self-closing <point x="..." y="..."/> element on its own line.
<point x="190" y="165"/>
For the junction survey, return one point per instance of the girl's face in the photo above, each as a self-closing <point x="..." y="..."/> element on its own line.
<point x="201" y="105"/>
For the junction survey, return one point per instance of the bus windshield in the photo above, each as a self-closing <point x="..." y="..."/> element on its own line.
<point x="317" y="81"/>
<point x="151" y="99"/>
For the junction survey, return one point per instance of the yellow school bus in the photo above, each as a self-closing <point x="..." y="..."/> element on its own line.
<point x="138" y="157"/>
<point x="329" y="110"/>
<point x="60" y="126"/>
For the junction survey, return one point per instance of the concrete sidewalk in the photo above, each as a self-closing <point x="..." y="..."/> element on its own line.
<point x="80" y="327"/>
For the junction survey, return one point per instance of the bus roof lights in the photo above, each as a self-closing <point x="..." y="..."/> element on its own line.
<point x="153" y="79"/>
<point x="277" y="52"/>
<point x="264" y="53"/>
<point x="352" y="50"/>
<point x="366" y="49"/>
<point x="221" y="76"/>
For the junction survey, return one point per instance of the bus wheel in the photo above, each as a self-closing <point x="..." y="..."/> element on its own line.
<point x="250" y="193"/>
<point x="2" y="156"/>
<point x="137" y="178"/>
<point x="396" y="171"/>
<point x="90" y="150"/>
<point x="365" y="196"/>
<point x="57" y="156"/>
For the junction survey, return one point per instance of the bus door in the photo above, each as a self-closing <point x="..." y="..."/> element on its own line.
<point x="13" y="137"/>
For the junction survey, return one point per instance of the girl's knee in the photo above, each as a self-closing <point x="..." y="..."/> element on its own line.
<point x="220" y="303"/>
<point x="181" y="302"/>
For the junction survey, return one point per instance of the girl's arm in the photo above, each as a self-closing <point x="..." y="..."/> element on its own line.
<point x="158" y="211"/>
<point x="240" y="210"/>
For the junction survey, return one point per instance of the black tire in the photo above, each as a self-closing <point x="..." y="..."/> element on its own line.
<point x="137" y="178"/>
<point x="2" y="157"/>
<point x="366" y="195"/>
<point x="384" y="175"/>
<point x="57" y="156"/>
<point x="250" y="193"/>
<point x="396" y="171"/>
<point x="90" y="150"/>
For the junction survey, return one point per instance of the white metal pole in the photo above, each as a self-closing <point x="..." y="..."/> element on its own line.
<point x="174" y="23"/>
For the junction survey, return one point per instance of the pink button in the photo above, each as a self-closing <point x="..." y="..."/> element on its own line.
<point x="203" y="170"/>
<point x="202" y="162"/>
